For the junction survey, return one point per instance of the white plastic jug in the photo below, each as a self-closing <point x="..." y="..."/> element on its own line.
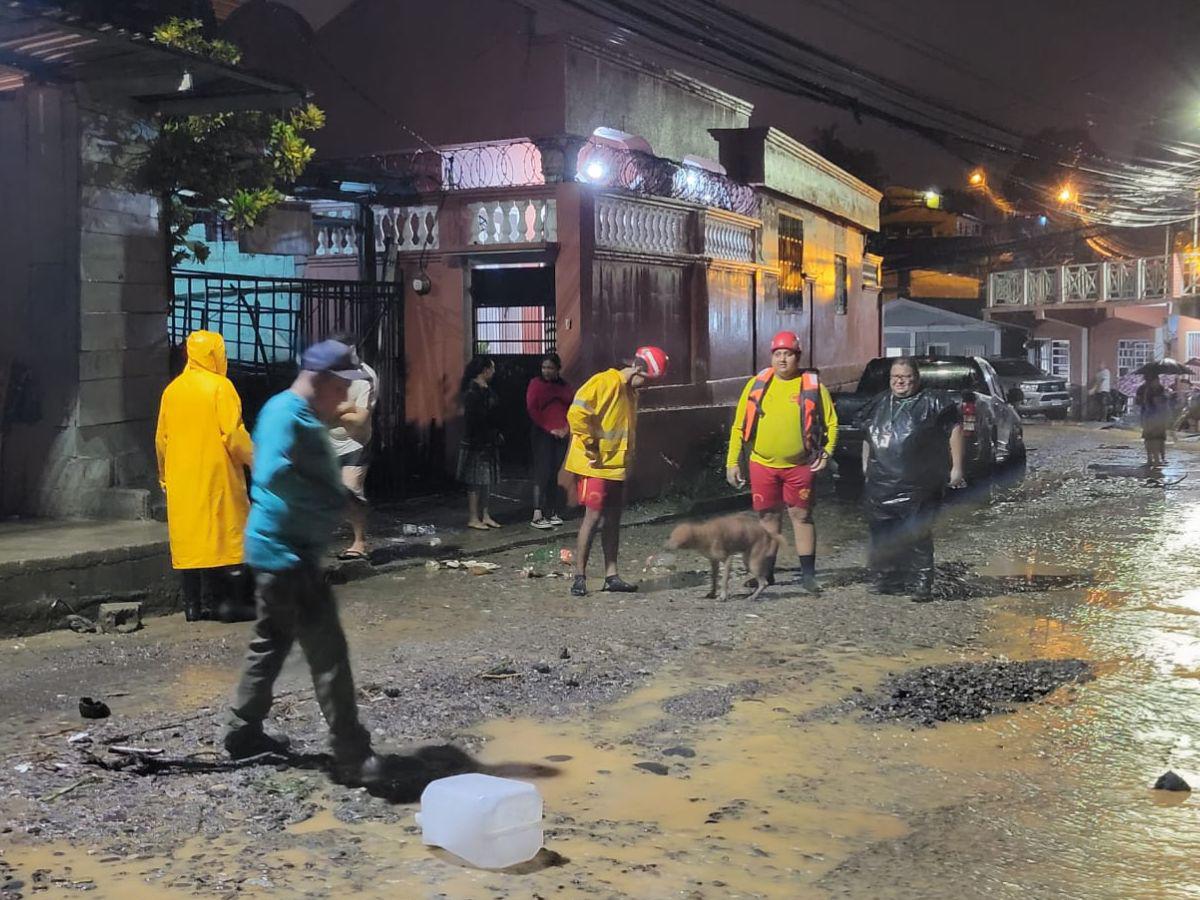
<point x="490" y="822"/>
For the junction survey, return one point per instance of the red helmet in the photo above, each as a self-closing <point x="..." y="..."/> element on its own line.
<point x="652" y="361"/>
<point x="785" y="340"/>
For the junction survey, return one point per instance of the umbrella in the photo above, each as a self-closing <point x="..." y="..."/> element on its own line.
<point x="1165" y="366"/>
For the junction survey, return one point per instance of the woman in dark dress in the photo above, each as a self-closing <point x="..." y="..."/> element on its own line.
<point x="546" y="401"/>
<point x="479" y="452"/>
<point x="1152" y="400"/>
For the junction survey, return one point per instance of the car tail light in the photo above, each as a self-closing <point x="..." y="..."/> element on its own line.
<point x="968" y="416"/>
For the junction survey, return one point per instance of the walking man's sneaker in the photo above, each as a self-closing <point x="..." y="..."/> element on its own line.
<point x="614" y="584"/>
<point x="555" y="520"/>
<point x="579" y="586"/>
<point x="541" y="524"/>
<point x="247" y="742"/>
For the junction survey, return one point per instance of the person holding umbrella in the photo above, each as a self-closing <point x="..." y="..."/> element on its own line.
<point x="1155" y="408"/>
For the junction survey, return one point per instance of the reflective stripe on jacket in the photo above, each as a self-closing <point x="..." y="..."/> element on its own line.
<point x="602" y="418"/>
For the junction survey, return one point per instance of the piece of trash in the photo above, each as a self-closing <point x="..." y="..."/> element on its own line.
<point x="80" y="737"/>
<point x="564" y="653"/>
<point x="418" y="530"/>
<point x="452" y="564"/>
<point x="81" y="624"/>
<point x="121" y="618"/>
<point x="566" y="556"/>
<point x="22" y="767"/>
<point x="433" y="565"/>
<point x="529" y="572"/>
<point x="490" y="822"/>
<point x="475" y="567"/>
<point x="93" y="709"/>
<point x="751" y="616"/>
<point x="501" y="671"/>
<point x="435" y="542"/>
<point x="1169" y="781"/>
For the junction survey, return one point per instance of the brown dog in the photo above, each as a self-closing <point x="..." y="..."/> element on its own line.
<point x="721" y="539"/>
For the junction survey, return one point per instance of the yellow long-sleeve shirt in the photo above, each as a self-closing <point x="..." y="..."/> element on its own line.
<point x="778" y="442"/>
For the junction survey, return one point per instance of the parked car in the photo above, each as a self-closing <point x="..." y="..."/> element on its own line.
<point x="991" y="424"/>
<point x="1041" y="393"/>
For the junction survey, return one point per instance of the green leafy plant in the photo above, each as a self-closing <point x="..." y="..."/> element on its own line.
<point x="237" y="164"/>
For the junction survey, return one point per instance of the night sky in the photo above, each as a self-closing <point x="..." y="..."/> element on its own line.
<point x="1113" y="65"/>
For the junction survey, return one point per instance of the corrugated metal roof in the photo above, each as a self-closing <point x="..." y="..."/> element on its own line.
<point x="53" y="45"/>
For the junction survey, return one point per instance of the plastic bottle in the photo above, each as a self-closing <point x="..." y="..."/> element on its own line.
<point x="490" y="822"/>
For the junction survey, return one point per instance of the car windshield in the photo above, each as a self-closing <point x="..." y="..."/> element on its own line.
<point x="939" y="374"/>
<point x="1017" y="368"/>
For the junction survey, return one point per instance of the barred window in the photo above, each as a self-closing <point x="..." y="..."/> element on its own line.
<point x="791" y="264"/>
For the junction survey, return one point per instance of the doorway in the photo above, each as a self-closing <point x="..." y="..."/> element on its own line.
<point x="513" y="318"/>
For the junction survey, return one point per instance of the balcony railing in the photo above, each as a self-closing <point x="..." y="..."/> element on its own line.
<point x="1148" y="279"/>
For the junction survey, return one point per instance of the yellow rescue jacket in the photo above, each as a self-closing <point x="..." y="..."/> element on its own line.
<point x="602" y="419"/>
<point x="203" y="450"/>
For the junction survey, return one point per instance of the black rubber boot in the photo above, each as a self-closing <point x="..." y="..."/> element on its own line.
<point x="614" y="584"/>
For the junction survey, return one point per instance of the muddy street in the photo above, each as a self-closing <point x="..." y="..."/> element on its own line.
<point x="999" y="742"/>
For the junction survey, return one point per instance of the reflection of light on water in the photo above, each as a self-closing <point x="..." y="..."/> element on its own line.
<point x="1181" y="535"/>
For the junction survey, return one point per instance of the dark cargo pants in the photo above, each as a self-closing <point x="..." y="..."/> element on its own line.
<point x="901" y="544"/>
<point x="297" y="605"/>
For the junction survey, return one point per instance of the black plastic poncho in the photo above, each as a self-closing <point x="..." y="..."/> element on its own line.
<point x="909" y="459"/>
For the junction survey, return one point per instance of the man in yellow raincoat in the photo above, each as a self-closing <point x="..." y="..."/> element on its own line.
<point x="603" y="420"/>
<point x="203" y="451"/>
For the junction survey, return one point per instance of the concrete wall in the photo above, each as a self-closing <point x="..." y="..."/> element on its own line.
<point x="39" y="300"/>
<point x="670" y="111"/>
<point x="85" y="306"/>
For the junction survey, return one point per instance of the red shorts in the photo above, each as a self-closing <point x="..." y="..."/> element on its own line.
<point x="773" y="488"/>
<point x="601" y="493"/>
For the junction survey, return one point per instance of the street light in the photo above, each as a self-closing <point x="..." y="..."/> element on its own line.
<point x="1065" y="194"/>
<point x="594" y="170"/>
<point x="977" y="178"/>
<point x="933" y="199"/>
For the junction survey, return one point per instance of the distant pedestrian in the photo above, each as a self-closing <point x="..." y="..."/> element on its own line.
<point x="1155" y="409"/>
<point x="351" y="438"/>
<point x="298" y="498"/>
<point x="784" y="432"/>
<point x="603" y="422"/>
<point x="479" y="451"/>
<point x="547" y="400"/>
<point x="203" y="451"/>
<point x="1101" y="393"/>
<point x="913" y="445"/>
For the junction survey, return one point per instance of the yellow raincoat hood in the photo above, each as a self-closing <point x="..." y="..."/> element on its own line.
<point x="206" y="350"/>
<point x="203" y="451"/>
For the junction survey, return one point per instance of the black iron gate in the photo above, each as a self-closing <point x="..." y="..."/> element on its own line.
<point x="267" y="322"/>
<point x="514" y="324"/>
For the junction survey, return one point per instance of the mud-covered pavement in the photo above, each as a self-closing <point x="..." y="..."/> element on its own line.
<point x="685" y="747"/>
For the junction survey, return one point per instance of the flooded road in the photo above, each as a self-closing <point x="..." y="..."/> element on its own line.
<point x="685" y="748"/>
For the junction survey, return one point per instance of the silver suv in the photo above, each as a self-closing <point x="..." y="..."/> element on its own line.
<point x="1041" y="394"/>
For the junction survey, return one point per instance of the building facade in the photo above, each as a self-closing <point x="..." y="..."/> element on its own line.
<point x="583" y="200"/>
<point x="1117" y="314"/>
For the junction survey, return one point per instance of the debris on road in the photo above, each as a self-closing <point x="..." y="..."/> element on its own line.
<point x="93" y="709"/>
<point x="409" y="530"/>
<point x="967" y="691"/>
<point x="121" y="618"/>
<point x="80" y="624"/>
<point x="472" y="566"/>
<point x="80" y="737"/>
<point x="1169" y="781"/>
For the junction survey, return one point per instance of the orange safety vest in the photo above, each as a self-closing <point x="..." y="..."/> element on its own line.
<point x="812" y="412"/>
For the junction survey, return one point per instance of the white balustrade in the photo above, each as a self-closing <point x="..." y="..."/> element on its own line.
<point x="728" y="240"/>
<point x="1081" y="282"/>
<point x="1121" y="276"/>
<point x="335" y="231"/>
<point x="1041" y="286"/>
<point x="1150" y="278"/>
<point x="640" y="227"/>
<point x="525" y="220"/>
<point x="408" y="228"/>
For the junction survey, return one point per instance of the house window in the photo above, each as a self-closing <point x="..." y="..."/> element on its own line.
<point x="937" y="349"/>
<point x="1192" y="346"/>
<point x="1055" y="358"/>
<point x="841" y="285"/>
<point x="974" y="350"/>
<point x="514" y="330"/>
<point x="791" y="264"/>
<point x="1133" y="355"/>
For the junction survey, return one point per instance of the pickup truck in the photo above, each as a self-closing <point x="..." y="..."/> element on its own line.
<point x="990" y="420"/>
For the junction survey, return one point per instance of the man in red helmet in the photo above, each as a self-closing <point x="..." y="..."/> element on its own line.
<point x="783" y="434"/>
<point x="603" y="420"/>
